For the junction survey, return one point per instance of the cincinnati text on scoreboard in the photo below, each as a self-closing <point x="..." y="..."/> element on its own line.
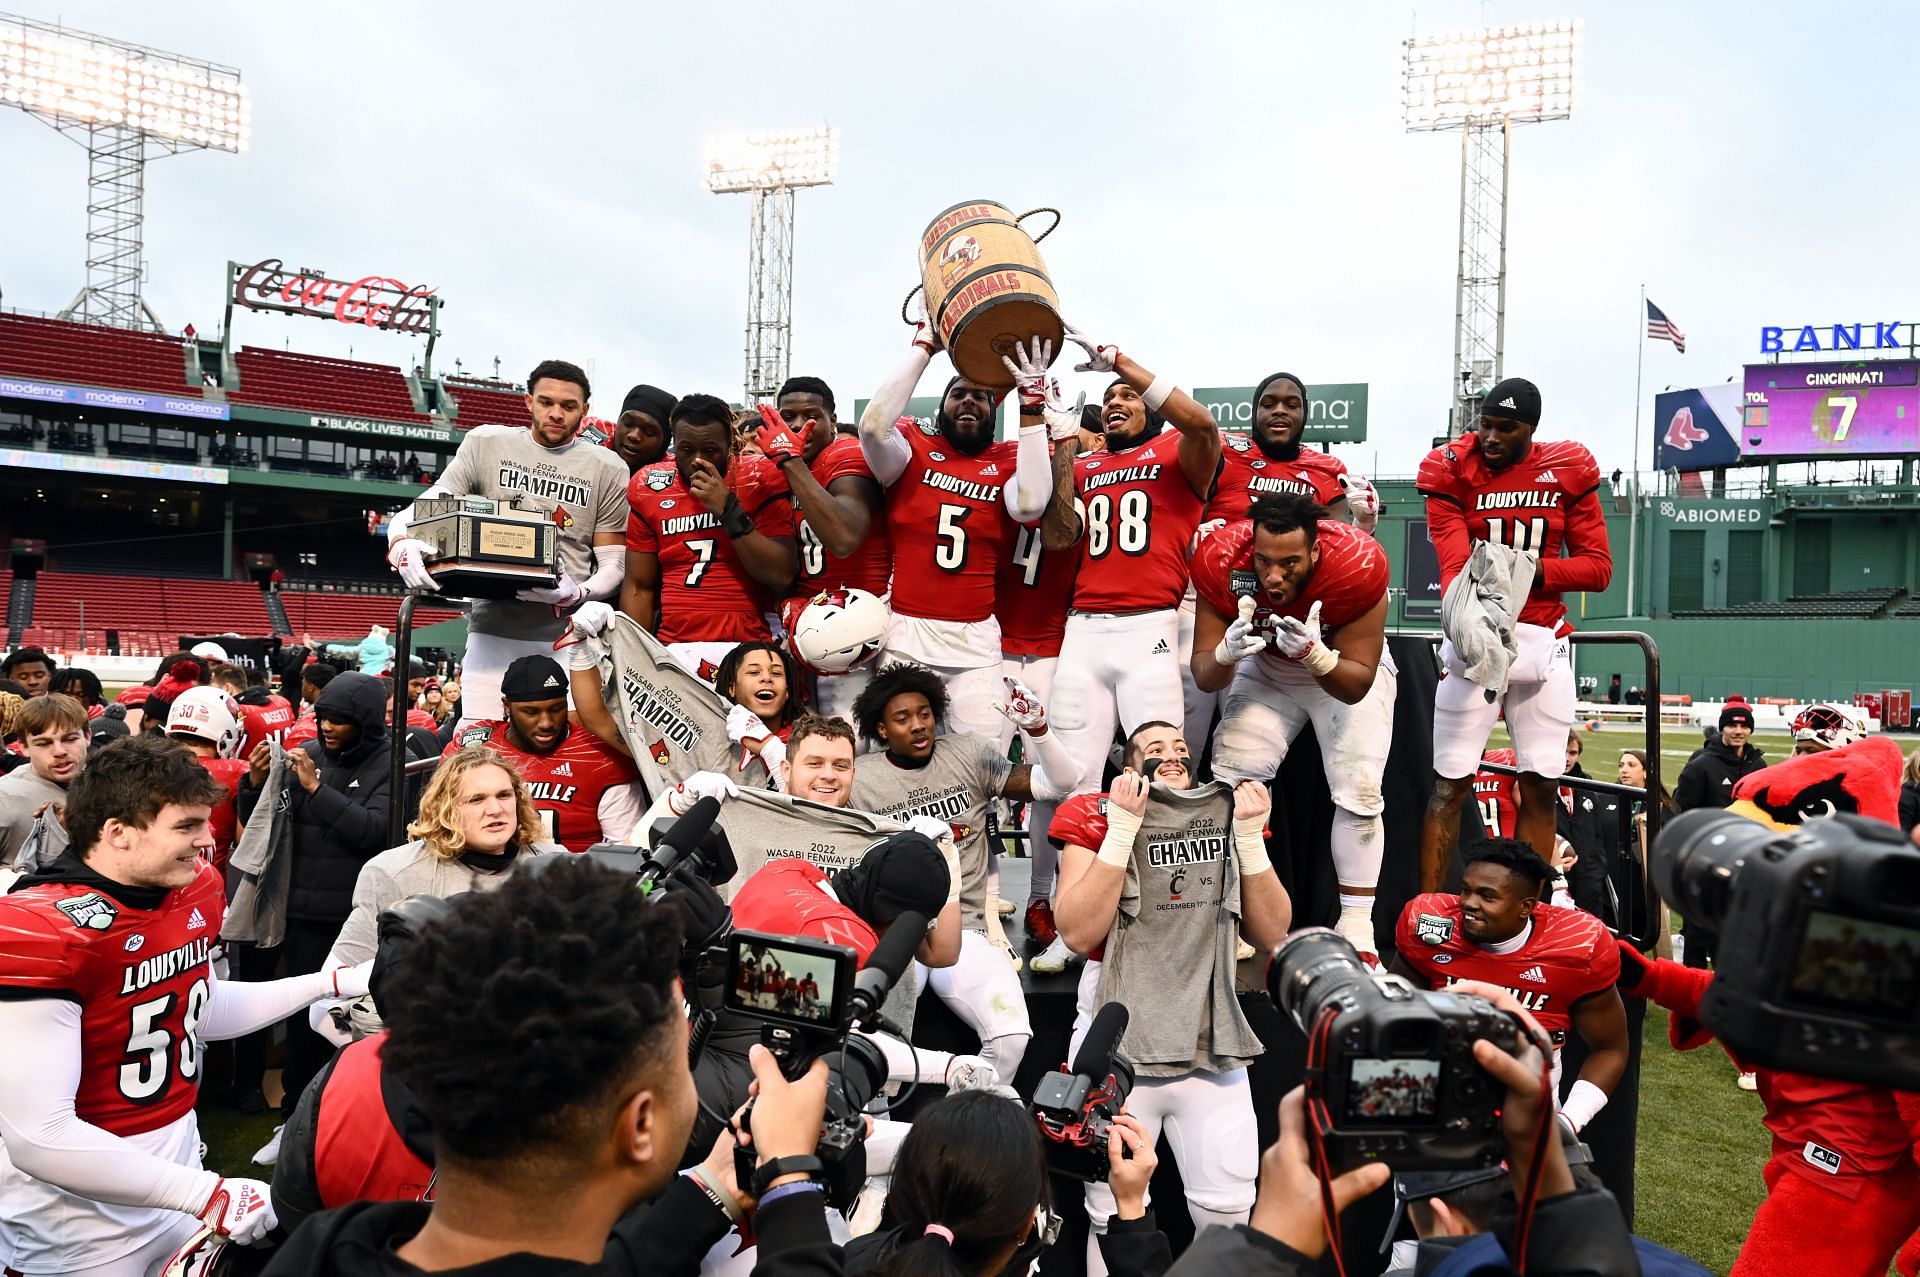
<point x="376" y="301"/>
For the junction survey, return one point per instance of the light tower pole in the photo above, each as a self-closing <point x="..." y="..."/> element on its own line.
<point x="1483" y="83"/>
<point x="771" y="167"/>
<point x="124" y="103"/>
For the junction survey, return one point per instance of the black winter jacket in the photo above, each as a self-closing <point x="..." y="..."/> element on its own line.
<point x="342" y="824"/>
<point x="1909" y="807"/>
<point x="1709" y="778"/>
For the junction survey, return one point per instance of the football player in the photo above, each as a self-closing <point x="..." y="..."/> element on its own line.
<point x="1819" y="728"/>
<point x="953" y="776"/>
<point x="839" y="513"/>
<point x="1560" y="963"/>
<point x="107" y="986"/>
<point x="550" y="463"/>
<point x="639" y="436"/>
<point x="585" y="792"/>
<point x="1498" y="485"/>
<point x="1291" y="620"/>
<point x="262" y="714"/>
<point x="1158" y="893"/>
<point x="208" y="722"/>
<point x="954" y="497"/>
<point x="710" y="542"/>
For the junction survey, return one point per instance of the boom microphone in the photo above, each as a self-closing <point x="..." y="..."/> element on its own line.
<point x="889" y="959"/>
<point x="1095" y="1057"/>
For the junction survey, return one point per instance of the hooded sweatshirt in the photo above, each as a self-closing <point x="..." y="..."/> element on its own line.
<point x="342" y="824"/>
<point x="1710" y="776"/>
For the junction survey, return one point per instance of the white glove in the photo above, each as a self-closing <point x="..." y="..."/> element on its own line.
<point x="970" y="1073"/>
<point x="408" y="557"/>
<point x="351" y="982"/>
<point x="1024" y="708"/>
<point x="923" y="334"/>
<point x="1204" y="531"/>
<point x="565" y="593"/>
<point x="934" y="829"/>
<point x="590" y="620"/>
<point x="743" y="724"/>
<point x="240" y="1210"/>
<point x="1240" y="642"/>
<point x="1363" y="499"/>
<point x="1063" y="421"/>
<point x="1300" y="641"/>
<point x="1030" y="374"/>
<point x="1099" y="357"/>
<point x="682" y="797"/>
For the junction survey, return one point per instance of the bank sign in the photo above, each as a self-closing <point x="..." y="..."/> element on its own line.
<point x="1814" y="337"/>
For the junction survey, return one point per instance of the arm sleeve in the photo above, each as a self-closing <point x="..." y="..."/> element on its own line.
<point x="911" y="1064"/>
<point x="245" y="798"/>
<point x="619" y="811"/>
<point x="1447" y="529"/>
<point x="1057" y="772"/>
<point x="1588" y="562"/>
<point x="609" y="570"/>
<point x="881" y="443"/>
<point x="1026" y="497"/>
<point x="236" y="1008"/>
<point x="46" y="1138"/>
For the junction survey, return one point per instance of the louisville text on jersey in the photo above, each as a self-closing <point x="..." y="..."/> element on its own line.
<point x="165" y="966"/>
<point x="1126" y="474"/>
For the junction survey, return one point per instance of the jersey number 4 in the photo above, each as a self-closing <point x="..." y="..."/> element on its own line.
<point x="148" y="1068"/>
<point x="1130" y="530"/>
<point x="1027" y="551"/>
<point x="1490" y="818"/>
<point x="1520" y="534"/>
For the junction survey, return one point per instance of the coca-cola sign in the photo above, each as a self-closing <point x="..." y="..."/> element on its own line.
<point x="373" y="300"/>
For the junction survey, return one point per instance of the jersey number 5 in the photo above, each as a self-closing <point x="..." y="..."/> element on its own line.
<point x="144" y="1076"/>
<point x="950" y="544"/>
<point x="1520" y="534"/>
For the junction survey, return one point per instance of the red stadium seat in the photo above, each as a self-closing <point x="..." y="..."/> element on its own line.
<point x="341" y="616"/>
<point x="486" y="403"/>
<point x="312" y="383"/>
<point x="87" y="354"/>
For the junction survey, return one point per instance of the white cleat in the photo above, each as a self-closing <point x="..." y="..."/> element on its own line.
<point x="1055" y="958"/>
<point x="269" y="1153"/>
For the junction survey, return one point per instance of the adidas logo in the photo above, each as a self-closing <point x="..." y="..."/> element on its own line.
<point x="1546" y="476"/>
<point x="551" y="682"/>
<point x="195" y="921"/>
<point x="989" y="468"/>
<point x="1535" y="974"/>
<point x="564" y="769"/>
<point x="1726" y="780"/>
<point x="1161" y="649"/>
<point x="1508" y="402"/>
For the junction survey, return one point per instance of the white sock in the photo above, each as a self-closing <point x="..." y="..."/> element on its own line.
<point x="1045" y="856"/>
<point x="1356" y="922"/>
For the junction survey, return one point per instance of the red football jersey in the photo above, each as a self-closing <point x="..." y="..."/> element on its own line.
<point x="1246" y="473"/>
<point x="1569" y="957"/>
<point x="1349" y="580"/>
<point x="141" y="978"/>
<point x="1031" y="595"/>
<point x="263" y="721"/>
<point x="1082" y="821"/>
<point x="566" y="785"/>
<point x="1493" y="795"/>
<point x="705" y="595"/>
<point x="1545" y="502"/>
<point x="869" y="566"/>
<point x="1139" y="514"/>
<point x="784" y="898"/>
<point x="229" y="772"/>
<point x="302" y="731"/>
<point x="948" y="522"/>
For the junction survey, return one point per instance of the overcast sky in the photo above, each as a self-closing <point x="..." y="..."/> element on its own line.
<point x="1240" y="194"/>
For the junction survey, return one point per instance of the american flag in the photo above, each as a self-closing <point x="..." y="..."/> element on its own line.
<point x="1658" y="325"/>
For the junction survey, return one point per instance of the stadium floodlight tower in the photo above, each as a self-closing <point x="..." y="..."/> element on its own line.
<point x="772" y="166"/>
<point x="1483" y="83"/>
<point x="123" y="102"/>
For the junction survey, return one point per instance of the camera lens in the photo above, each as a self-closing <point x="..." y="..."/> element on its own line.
<point x="1310" y="970"/>
<point x="1698" y="856"/>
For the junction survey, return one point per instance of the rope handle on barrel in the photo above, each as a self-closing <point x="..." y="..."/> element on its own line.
<point x="906" y="301"/>
<point x="1033" y="212"/>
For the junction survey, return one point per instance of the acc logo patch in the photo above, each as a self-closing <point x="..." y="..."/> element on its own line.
<point x="1442" y="958"/>
<point x="936" y="456"/>
<point x="667" y="504"/>
<point x="135" y="943"/>
<point x="1433" y="928"/>
<point x="92" y="911"/>
<point x="659" y="480"/>
<point x="1258" y="465"/>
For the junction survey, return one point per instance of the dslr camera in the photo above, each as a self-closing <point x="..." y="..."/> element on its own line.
<point x="1390" y="1070"/>
<point x="808" y="999"/>
<point x="1075" y="1106"/>
<point x="1818" y="968"/>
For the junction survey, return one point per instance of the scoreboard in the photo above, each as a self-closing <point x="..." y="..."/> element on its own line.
<point x="1859" y="409"/>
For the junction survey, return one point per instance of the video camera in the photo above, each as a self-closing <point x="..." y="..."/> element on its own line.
<point x="1818" y="969"/>
<point x="1075" y="1106"/>
<point x="808" y="1000"/>
<point x="1390" y="1070"/>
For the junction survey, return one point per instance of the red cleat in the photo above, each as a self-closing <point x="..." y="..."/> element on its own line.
<point x="1039" y="922"/>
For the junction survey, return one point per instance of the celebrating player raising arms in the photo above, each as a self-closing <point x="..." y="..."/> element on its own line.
<point x="710" y="541"/>
<point x="1277" y="593"/>
<point x="107" y="989"/>
<point x="954" y="497"/>
<point x="1497" y="485"/>
<point x="1135" y="508"/>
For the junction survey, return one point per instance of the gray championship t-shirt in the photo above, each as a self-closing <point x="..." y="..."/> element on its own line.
<point x="964" y="775"/>
<point x="673" y="723"/>
<point x="763" y="826"/>
<point x="586" y="484"/>
<point x="1170" y="956"/>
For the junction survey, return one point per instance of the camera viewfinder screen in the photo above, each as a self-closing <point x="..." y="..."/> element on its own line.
<point x="1392" y="1092"/>
<point x="771" y="979"/>
<point x="1857" y="967"/>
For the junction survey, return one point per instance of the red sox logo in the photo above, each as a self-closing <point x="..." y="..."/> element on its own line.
<point x="1682" y="434"/>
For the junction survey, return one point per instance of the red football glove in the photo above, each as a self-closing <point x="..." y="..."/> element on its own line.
<point x="777" y="439"/>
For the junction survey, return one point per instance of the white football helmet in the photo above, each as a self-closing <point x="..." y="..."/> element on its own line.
<point x="1828" y="725"/>
<point x="839" y="630"/>
<point x="210" y="715"/>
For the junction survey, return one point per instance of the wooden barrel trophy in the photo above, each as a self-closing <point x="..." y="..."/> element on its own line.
<point x="986" y="287"/>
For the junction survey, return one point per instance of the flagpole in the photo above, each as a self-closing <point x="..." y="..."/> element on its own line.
<point x="1633" y="511"/>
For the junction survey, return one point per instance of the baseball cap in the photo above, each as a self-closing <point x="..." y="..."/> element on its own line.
<point x="1736" y="712"/>
<point x="534" y="678"/>
<point x="1516" y="398"/>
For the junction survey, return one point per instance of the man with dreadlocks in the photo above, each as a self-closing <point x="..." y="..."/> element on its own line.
<point x="953" y="499"/>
